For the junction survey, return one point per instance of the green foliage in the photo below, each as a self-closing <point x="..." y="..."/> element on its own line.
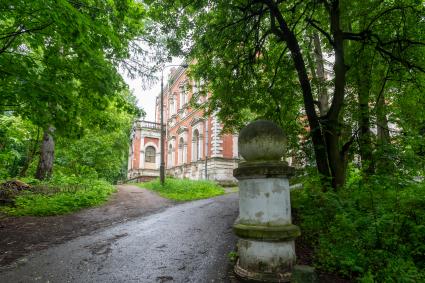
<point x="99" y="152"/>
<point x="233" y="257"/>
<point x="184" y="189"/>
<point x="256" y="77"/>
<point x="59" y="58"/>
<point x="372" y="231"/>
<point x="17" y="140"/>
<point x="259" y="61"/>
<point x="59" y="196"/>
<point x="59" y="65"/>
<point x="102" y="151"/>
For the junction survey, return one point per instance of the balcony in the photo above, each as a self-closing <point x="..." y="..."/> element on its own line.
<point x="150" y="125"/>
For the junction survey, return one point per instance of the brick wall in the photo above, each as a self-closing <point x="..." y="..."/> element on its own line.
<point x="182" y="121"/>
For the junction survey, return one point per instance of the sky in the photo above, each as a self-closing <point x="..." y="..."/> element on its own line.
<point x="146" y="95"/>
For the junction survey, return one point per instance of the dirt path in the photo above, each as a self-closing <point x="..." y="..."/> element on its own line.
<point x="21" y="235"/>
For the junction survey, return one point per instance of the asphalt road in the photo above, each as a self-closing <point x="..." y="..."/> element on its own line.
<point x="185" y="243"/>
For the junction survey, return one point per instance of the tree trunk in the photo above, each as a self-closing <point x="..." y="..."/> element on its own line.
<point x="336" y="160"/>
<point x="365" y="136"/>
<point x="382" y="121"/>
<point x="325" y="134"/>
<point x="317" y="70"/>
<point x="30" y="155"/>
<point x="321" y="78"/>
<point x="331" y="123"/>
<point x="47" y="154"/>
<point x="289" y="37"/>
<point x="383" y="163"/>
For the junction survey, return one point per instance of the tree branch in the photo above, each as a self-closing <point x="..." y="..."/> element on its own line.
<point x="402" y="61"/>
<point x="322" y="31"/>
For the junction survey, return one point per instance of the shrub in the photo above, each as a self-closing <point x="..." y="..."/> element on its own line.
<point x="184" y="189"/>
<point x="372" y="231"/>
<point x="59" y="196"/>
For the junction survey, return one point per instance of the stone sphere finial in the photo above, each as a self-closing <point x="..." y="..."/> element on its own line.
<point x="262" y="140"/>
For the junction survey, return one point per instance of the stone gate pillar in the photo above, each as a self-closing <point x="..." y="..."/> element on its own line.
<point x="266" y="234"/>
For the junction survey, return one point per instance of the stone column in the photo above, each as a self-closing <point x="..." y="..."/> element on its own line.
<point x="266" y="246"/>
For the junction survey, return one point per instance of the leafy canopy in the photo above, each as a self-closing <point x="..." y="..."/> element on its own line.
<point x="59" y="59"/>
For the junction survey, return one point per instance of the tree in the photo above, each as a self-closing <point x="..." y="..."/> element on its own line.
<point x="18" y="145"/>
<point x="59" y="62"/>
<point x="229" y="39"/>
<point x="100" y="152"/>
<point x="103" y="150"/>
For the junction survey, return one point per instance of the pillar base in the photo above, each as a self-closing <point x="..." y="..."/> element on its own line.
<point x="264" y="261"/>
<point x="261" y="276"/>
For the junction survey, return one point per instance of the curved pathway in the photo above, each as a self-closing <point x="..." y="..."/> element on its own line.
<point x="188" y="242"/>
<point x="20" y="236"/>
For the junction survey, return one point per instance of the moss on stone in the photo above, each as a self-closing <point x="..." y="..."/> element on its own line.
<point x="260" y="128"/>
<point x="303" y="274"/>
<point x="269" y="233"/>
<point x="254" y="276"/>
<point x="262" y="140"/>
<point x="263" y="169"/>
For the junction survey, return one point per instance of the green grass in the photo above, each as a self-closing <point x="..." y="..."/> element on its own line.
<point x="184" y="189"/>
<point x="63" y="200"/>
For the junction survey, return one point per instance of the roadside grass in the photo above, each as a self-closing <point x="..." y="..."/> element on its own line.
<point x="184" y="189"/>
<point x="59" y="197"/>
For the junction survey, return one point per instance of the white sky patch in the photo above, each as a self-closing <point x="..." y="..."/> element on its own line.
<point x="146" y="94"/>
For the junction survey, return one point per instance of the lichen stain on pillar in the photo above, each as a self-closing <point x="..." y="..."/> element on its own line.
<point x="259" y="214"/>
<point x="266" y="234"/>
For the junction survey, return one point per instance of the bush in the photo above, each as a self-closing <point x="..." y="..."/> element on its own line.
<point x="372" y="231"/>
<point x="59" y="196"/>
<point x="184" y="189"/>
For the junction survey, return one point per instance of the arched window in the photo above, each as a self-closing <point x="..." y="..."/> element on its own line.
<point x="182" y="96"/>
<point x="196" y="145"/>
<point x="171" y="106"/>
<point x="150" y="154"/>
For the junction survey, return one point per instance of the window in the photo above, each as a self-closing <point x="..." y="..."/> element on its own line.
<point x="199" y="91"/>
<point x="182" y="96"/>
<point x="181" y="100"/>
<point x="196" y="145"/>
<point x="150" y="154"/>
<point x="171" y="108"/>
<point x="181" y="145"/>
<point x="170" y="156"/>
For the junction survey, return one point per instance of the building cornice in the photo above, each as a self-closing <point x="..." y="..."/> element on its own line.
<point x="182" y="129"/>
<point x="174" y="78"/>
<point x="197" y="120"/>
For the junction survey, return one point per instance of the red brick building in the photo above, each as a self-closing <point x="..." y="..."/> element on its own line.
<point x="195" y="148"/>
